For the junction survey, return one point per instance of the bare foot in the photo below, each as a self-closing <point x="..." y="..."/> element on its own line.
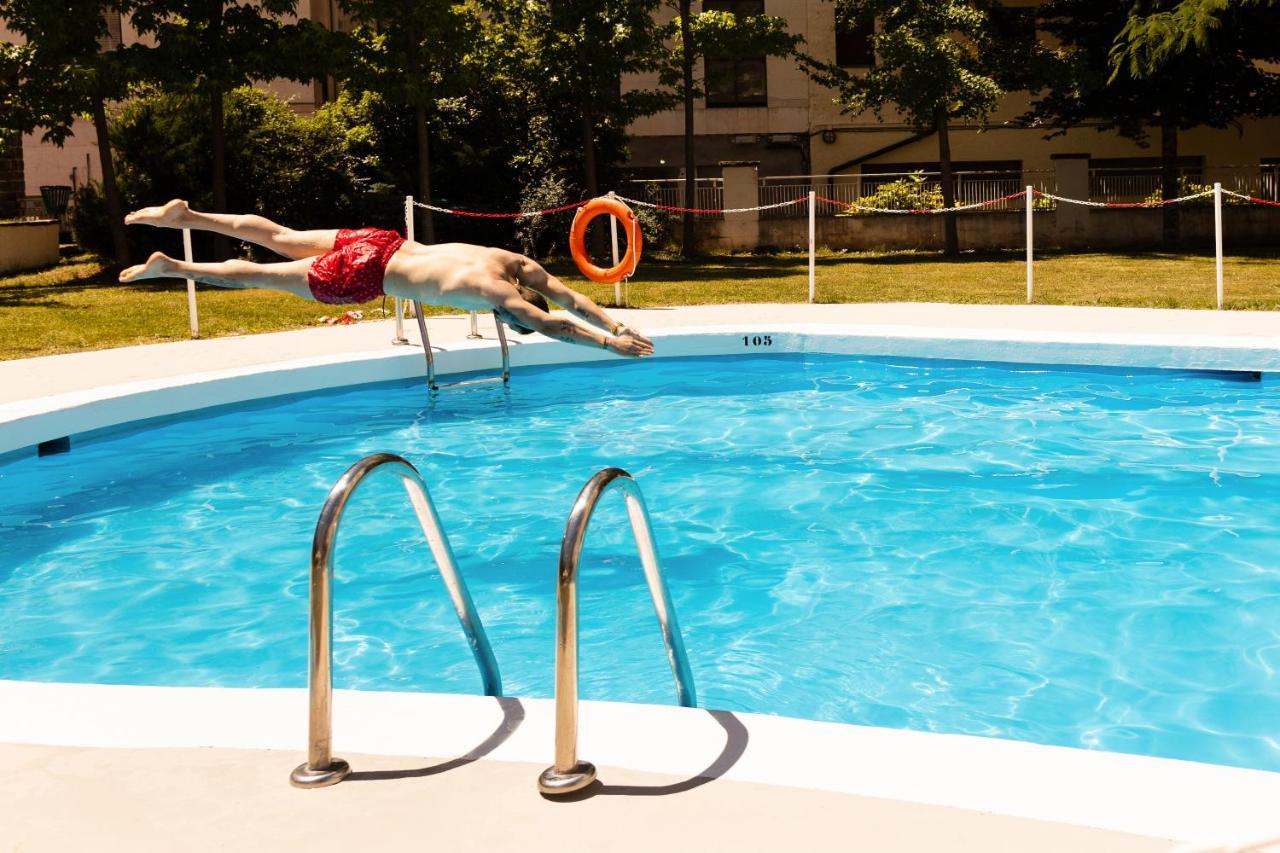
<point x="159" y="265"/>
<point x="170" y="215"/>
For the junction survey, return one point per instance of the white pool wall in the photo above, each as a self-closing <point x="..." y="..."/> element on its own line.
<point x="24" y="424"/>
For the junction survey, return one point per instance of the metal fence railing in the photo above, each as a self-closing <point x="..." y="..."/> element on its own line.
<point x="1128" y="185"/>
<point x="972" y="187"/>
<point x="670" y="192"/>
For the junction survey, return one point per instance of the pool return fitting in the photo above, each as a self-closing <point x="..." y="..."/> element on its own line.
<point x="568" y="774"/>
<point x="321" y="767"/>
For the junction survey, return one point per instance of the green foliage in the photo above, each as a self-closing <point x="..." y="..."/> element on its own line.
<point x="88" y="219"/>
<point x="208" y="48"/>
<point x="715" y="34"/>
<point x="913" y="192"/>
<point x="61" y="68"/>
<point x="305" y="171"/>
<point x="932" y="57"/>
<point x="1153" y="36"/>
<point x="1186" y="187"/>
<point x="1077" y="82"/>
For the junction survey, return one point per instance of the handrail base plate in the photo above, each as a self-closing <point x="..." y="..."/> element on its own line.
<point x="304" y="776"/>
<point x="555" y="783"/>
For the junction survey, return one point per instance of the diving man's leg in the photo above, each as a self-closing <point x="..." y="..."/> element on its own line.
<point x="248" y="227"/>
<point x="290" y="276"/>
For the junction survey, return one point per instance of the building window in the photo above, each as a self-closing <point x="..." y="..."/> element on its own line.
<point x="854" y="48"/>
<point x="113" y="36"/>
<point x="736" y="81"/>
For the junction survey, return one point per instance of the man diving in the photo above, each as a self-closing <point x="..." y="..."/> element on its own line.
<point x="351" y="266"/>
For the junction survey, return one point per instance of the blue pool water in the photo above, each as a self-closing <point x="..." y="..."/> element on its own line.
<point x="1074" y="557"/>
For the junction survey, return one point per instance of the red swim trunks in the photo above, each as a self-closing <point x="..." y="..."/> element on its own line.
<point x="352" y="271"/>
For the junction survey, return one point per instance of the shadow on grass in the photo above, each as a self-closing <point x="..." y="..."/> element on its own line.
<point x="14" y="293"/>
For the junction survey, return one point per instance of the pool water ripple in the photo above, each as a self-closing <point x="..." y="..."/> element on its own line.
<point x="1066" y="556"/>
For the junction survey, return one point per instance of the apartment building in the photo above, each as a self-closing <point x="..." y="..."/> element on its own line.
<point x="767" y="111"/>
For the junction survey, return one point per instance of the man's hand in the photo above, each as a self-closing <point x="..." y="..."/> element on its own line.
<point x="631" y="345"/>
<point x="627" y="330"/>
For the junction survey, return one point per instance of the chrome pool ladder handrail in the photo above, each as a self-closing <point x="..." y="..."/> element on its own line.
<point x="321" y="767"/>
<point x="431" y="362"/>
<point x="568" y="774"/>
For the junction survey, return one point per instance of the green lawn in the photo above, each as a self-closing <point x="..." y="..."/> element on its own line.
<point x="79" y="306"/>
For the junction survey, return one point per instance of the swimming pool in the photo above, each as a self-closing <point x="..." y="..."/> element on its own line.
<point x="1064" y="556"/>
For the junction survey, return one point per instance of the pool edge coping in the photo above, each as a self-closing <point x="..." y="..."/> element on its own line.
<point x="1187" y="801"/>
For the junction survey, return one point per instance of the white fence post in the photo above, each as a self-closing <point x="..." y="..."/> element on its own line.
<point x="192" y="317"/>
<point x="812" y="204"/>
<point x="1217" y="236"/>
<point x="1030" y="243"/>
<point x="475" y="326"/>
<point x="613" y="232"/>
<point x="399" y="309"/>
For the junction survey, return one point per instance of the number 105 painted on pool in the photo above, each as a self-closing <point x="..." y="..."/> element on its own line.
<point x="757" y="340"/>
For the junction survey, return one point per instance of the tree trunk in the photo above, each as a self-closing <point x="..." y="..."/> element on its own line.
<point x="950" y="230"/>
<point x="595" y="237"/>
<point x="218" y="132"/>
<point x="688" y="239"/>
<point x="218" y="141"/>
<point x="1169" y="180"/>
<point x="592" y="181"/>
<point x="427" y="233"/>
<point x="110" y="191"/>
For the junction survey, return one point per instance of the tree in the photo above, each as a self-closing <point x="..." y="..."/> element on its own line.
<point x="932" y="65"/>
<point x="1214" y="87"/>
<point x="415" y="54"/>
<point x="1150" y="38"/>
<point x="714" y="34"/>
<point x="572" y="55"/>
<point x="66" y="68"/>
<point x="207" y="48"/>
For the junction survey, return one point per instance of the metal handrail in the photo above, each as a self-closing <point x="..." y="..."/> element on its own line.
<point x="321" y="767"/>
<point x="431" y="362"/>
<point x="568" y="774"/>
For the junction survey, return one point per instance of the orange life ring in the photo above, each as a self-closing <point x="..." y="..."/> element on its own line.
<point x="578" y="240"/>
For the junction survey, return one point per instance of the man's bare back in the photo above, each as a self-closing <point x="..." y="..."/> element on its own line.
<point x="336" y="266"/>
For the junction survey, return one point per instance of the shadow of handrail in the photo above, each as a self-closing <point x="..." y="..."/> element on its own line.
<point x="735" y="745"/>
<point x="512" y="716"/>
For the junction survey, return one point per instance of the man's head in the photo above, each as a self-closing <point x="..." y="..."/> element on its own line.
<point x="530" y="296"/>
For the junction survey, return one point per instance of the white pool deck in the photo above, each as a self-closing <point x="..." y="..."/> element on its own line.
<point x="133" y="768"/>
<point x="38" y="377"/>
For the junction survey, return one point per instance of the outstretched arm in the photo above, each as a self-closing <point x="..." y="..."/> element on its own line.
<point x="562" y="329"/>
<point x="533" y="276"/>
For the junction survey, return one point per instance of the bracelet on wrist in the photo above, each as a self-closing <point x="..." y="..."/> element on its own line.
<point x="604" y="342"/>
<point x="616" y="327"/>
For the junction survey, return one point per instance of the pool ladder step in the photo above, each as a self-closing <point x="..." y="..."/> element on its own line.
<point x="505" y="378"/>
<point x="567" y="774"/>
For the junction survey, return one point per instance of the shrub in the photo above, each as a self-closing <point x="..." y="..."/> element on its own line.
<point x="88" y="220"/>
<point x="909" y="193"/>
<point x="1186" y="186"/>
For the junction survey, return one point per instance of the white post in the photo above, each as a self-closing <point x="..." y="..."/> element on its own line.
<point x="613" y="232"/>
<point x="191" y="286"/>
<point x="812" y="204"/>
<point x="1217" y="235"/>
<point x="1031" y="193"/>
<point x="475" y="328"/>
<point x="399" y="309"/>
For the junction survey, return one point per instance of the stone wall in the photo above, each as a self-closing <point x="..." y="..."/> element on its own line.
<point x="1243" y="226"/>
<point x="12" y="184"/>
